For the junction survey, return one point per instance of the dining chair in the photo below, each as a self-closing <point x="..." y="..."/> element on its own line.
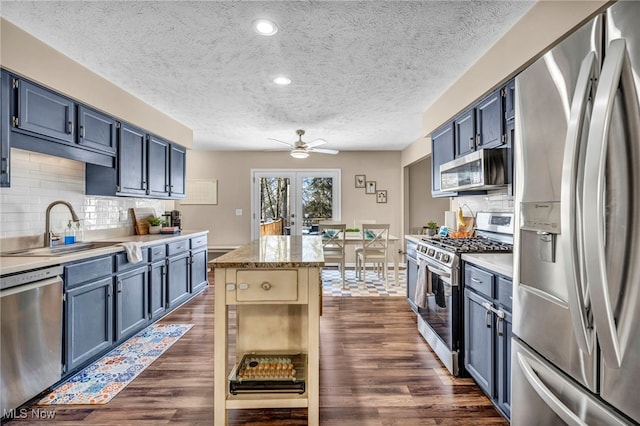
<point x="375" y="242"/>
<point x="333" y="244"/>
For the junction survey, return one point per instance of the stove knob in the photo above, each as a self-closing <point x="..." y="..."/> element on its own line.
<point x="445" y="258"/>
<point x="438" y="256"/>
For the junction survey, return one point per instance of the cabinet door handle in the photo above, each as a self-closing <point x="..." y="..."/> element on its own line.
<point x="243" y="286"/>
<point x="500" y="333"/>
<point x="487" y="315"/>
<point x="70" y="127"/>
<point x="487" y="319"/>
<point x="475" y="280"/>
<point x="82" y="132"/>
<point x="471" y="140"/>
<point x="5" y="166"/>
<point x="119" y="286"/>
<point x="266" y="286"/>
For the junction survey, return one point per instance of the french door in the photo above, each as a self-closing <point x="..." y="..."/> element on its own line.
<point x="293" y="201"/>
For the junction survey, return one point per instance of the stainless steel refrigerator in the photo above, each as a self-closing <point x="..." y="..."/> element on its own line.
<point x="576" y="320"/>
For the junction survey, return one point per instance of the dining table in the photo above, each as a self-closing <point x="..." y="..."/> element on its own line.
<point x="355" y="239"/>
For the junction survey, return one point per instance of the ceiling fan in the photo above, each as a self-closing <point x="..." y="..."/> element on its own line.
<point x="301" y="149"/>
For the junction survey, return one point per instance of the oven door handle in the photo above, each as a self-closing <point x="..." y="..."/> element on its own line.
<point x="438" y="271"/>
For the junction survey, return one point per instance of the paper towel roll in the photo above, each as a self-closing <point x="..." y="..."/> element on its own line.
<point x="450" y="220"/>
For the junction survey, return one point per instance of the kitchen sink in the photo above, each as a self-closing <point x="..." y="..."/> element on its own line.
<point x="57" y="250"/>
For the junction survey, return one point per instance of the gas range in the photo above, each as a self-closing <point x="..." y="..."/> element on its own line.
<point x="439" y="292"/>
<point x="495" y="234"/>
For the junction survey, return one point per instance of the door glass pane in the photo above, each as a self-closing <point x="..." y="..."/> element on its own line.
<point x="274" y="206"/>
<point x="317" y="202"/>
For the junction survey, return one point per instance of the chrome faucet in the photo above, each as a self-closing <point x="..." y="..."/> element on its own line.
<point x="48" y="235"/>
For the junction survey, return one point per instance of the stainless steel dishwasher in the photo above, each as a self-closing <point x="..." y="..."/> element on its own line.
<point x="31" y="334"/>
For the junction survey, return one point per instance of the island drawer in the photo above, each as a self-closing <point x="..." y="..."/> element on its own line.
<point x="264" y="285"/>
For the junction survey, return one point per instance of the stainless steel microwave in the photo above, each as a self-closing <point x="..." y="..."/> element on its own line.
<point x="482" y="169"/>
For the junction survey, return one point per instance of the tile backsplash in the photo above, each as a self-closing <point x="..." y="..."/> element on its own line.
<point x="38" y="179"/>
<point x="494" y="201"/>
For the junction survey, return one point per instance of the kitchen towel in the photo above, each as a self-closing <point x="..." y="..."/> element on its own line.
<point x="134" y="252"/>
<point x="420" y="297"/>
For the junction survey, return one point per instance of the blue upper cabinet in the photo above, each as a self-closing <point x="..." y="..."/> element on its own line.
<point x="465" y="133"/>
<point x="509" y="100"/>
<point x="44" y="112"/>
<point x="5" y="125"/>
<point x="489" y="126"/>
<point x="132" y="164"/>
<point x="442" y="142"/>
<point x="177" y="171"/>
<point x="481" y="126"/>
<point x="96" y="130"/>
<point x="158" y="166"/>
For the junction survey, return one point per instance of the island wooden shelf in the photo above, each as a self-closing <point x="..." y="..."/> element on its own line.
<point x="269" y="291"/>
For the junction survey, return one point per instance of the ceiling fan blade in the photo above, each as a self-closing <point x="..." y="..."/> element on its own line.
<point x="324" y="150"/>
<point x="316" y="142"/>
<point x="282" y="142"/>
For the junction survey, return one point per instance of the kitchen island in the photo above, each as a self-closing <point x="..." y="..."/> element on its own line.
<point x="273" y="286"/>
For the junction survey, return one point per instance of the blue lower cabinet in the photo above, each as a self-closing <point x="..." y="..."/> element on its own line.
<point x="108" y="299"/>
<point x="157" y="289"/>
<point x="178" y="274"/>
<point x="198" y="270"/>
<point x="88" y="322"/>
<point x="131" y="301"/>
<point x="478" y="338"/>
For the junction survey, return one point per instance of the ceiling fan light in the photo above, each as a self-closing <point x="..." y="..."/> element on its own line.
<point x="265" y="27"/>
<point x="299" y="153"/>
<point x="282" y="81"/>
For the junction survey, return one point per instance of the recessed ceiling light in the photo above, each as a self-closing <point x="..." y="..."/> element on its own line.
<point x="282" y="81"/>
<point x="265" y="27"/>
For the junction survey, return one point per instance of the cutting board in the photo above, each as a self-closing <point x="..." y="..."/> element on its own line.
<point x="140" y="216"/>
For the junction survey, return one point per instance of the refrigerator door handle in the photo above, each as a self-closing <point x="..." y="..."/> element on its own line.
<point x="546" y="394"/>
<point x="571" y="184"/>
<point x="615" y="70"/>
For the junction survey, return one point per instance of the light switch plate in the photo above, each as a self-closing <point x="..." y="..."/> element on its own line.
<point x="238" y="212"/>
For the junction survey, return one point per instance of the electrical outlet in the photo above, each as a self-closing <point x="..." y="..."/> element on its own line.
<point x="238" y="212"/>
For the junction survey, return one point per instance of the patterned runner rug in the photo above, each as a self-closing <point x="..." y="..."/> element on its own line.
<point x="372" y="286"/>
<point x="105" y="378"/>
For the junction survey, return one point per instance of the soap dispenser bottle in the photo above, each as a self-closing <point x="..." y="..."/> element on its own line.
<point x="79" y="232"/>
<point x="70" y="234"/>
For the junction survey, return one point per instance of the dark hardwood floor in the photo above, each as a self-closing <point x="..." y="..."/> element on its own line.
<point x="375" y="370"/>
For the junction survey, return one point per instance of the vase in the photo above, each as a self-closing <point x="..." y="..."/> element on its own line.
<point x="431" y="232"/>
<point x="154" y="229"/>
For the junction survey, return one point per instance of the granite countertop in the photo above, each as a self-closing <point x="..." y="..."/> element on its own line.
<point x="13" y="264"/>
<point x="274" y="252"/>
<point x="500" y="263"/>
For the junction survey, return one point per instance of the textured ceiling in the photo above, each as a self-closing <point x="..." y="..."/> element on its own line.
<point x="363" y="72"/>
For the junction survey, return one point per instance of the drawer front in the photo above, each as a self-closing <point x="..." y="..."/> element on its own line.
<point x="504" y="287"/>
<point x="88" y="270"/>
<point x="157" y="252"/>
<point x="123" y="264"/>
<point x="199" y="241"/>
<point x="267" y="285"/>
<point x="479" y="280"/>
<point x="177" y="247"/>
